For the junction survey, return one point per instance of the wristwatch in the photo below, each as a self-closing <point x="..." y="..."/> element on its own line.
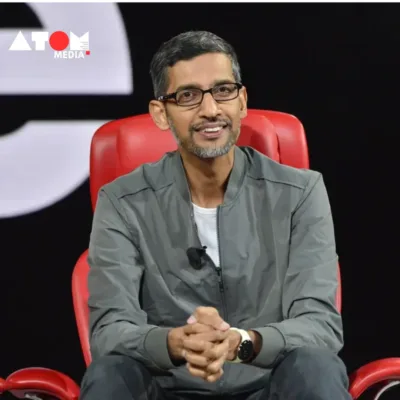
<point x="246" y="349"/>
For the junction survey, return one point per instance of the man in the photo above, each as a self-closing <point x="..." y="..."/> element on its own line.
<point x="213" y="271"/>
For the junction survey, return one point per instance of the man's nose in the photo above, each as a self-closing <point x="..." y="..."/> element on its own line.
<point x="209" y="108"/>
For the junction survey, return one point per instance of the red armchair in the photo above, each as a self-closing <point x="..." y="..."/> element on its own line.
<point x="120" y="146"/>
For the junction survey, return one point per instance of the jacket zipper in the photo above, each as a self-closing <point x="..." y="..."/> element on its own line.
<point x="219" y="270"/>
<point x="220" y="383"/>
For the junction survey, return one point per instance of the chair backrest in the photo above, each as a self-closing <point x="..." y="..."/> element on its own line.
<point x="120" y="146"/>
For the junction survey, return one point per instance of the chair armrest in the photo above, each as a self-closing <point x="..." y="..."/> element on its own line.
<point x="38" y="381"/>
<point x="381" y="371"/>
<point x="2" y="386"/>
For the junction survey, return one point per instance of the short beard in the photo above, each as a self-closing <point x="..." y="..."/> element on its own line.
<point x="202" y="152"/>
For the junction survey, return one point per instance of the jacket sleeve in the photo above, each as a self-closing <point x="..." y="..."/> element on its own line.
<point x="118" y="325"/>
<point x="311" y="282"/>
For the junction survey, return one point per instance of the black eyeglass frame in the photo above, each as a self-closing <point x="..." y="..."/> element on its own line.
<point x="172" y="96"/>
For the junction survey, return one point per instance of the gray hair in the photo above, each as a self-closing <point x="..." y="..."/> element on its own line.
<point x="186" y="46"/>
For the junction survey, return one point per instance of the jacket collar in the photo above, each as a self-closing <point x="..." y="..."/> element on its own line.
<point x="235" y="179"/>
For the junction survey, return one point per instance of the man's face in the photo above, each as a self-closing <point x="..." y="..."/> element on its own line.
<point x="211" y="128"/>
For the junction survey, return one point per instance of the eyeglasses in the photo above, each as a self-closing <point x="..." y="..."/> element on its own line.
<point x="194" y="96"/>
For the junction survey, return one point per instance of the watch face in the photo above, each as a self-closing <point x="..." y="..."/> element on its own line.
<point x="246" y="350"/>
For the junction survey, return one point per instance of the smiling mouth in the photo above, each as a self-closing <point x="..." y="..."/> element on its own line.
<point x="212" y="133"/>
<point x="213" y="130"/>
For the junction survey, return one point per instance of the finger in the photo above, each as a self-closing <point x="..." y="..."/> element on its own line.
<point x="193" y="344"/>
<point x="214" y="377"/>
<point x="210" y="336"/>
<point x="215" y="366"/>
<point x="195" y="371"/>
<point x="196" y="328"/>
<point x="205" y="343"/>
<point x="196" y="359"/>
<point x="210" y="316"/>
<point x="201" y="373"/>
<point x="217" y="351"/>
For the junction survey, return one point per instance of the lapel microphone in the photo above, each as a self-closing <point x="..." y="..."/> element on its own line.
<point x="196" y="256"/>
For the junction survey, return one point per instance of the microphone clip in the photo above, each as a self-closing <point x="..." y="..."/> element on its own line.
<point x="196" y="256"/>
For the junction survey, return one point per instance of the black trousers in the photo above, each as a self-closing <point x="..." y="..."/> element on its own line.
<point x="304" y="374"/>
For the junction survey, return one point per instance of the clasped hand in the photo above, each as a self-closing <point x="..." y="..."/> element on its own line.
<point x="207" y="343"/>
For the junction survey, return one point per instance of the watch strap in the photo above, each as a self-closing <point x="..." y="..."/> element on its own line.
<point x="244" y="336"/>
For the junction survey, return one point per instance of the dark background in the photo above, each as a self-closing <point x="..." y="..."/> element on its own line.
<point x="335" y="66"/>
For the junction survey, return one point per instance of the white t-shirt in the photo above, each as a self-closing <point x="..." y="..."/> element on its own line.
<point x="206" y="221"/>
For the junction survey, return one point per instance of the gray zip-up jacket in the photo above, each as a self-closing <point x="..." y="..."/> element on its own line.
<point x="278" y="272"/>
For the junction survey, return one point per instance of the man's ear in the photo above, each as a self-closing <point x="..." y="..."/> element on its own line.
<point x="243" y="102"/>
<point x="159" y="114"/>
